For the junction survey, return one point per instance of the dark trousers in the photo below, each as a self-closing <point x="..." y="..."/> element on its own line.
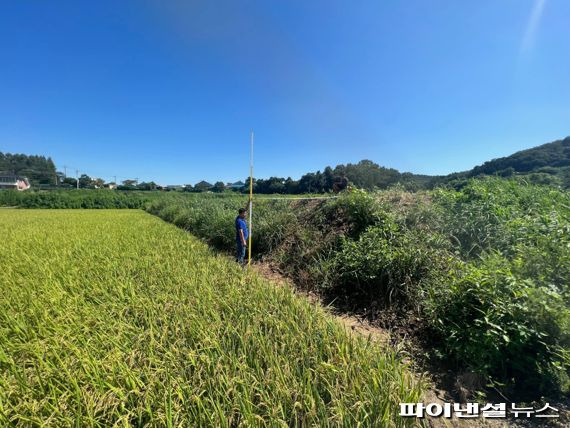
<point x="240" y="253"/>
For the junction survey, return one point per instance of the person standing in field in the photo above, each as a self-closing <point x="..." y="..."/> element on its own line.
<point x="241" y="236"/>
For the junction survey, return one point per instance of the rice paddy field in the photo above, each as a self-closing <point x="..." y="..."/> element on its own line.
<point x="116" y="318"/>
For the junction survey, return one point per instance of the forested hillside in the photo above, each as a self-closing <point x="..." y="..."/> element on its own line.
<point x="38" y="169"/>
<point x="545" y="164"/>
<point x="364" y="175"/>
<point x="552" y="155"/>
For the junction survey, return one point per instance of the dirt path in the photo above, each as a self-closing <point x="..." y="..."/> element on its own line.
<point x="351" y="323"/>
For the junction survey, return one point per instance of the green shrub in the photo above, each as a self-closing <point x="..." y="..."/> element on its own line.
<point x="357" y="210"/>
<point x="502" y="326"/>
<point x="385" y="265"/>
<point x="486" y="267"/>
<point x="498" y="214"/>
<point x="83" y="198"/>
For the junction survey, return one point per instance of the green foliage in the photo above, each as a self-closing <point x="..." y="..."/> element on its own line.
<point x="357" y="210"/>
<point x="486" y="266"/>
<point x="38" y="169"/>
<point x="212" y="218"/>
<point x="555" y="154"/>
<point x="497" y="214"/>
<point x="203" y="186"/>
<point x="548" y="164"/>
<point x="384" y="266"/>
<point x="114" y="318"/>
<point x="364" y="175"/>
<point x="218" y="187"/>
<point x="84" y="198"/>
<point x="493" y="252"/>
<point x="368" y="175"/>
<point x="503" y="326"/>
<point x="506" y="309"/>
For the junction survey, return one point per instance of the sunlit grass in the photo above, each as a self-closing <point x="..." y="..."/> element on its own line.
<point x="114" y="318"/>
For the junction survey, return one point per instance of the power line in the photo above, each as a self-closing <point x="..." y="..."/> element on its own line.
<point x="91" y="174"/>
<point x="67" y="167"/>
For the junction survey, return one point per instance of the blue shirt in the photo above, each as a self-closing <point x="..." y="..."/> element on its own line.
<point x="241" y="225"/>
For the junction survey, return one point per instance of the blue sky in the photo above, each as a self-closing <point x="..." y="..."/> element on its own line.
<point x="169" y="90"/>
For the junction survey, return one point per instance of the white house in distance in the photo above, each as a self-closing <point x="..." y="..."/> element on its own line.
<point x="14" y="182"/>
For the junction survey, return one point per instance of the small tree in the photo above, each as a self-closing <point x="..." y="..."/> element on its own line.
<point x="85" y="181"/>
<point x="147" y="186"/>
<point x="69" y="181"/>
<point x="218" y="187"/>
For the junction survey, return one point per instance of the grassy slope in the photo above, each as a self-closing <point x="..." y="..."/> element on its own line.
<point x="113" y="317"/>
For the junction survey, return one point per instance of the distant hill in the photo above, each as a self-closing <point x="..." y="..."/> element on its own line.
<point x="550" y="155"/>
<point x="364" y="174"/>
<point x="547" y="164"/>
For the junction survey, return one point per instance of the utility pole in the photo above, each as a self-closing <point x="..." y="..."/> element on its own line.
<point x="65" y="171"/>
<point x="77" y="178"/>
<point x="250" y="201"/>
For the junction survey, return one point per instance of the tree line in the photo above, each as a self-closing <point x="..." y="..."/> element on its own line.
<point x="545" y="164"/>
<point x="365" y="174"/>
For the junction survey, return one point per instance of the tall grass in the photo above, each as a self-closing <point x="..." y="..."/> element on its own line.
<point x="113" y="318"/>
<point x="485" y="267"/>
<point x="82" y="198"/>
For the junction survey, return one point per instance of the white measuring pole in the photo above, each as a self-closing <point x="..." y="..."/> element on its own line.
<point x="250" y="200"/>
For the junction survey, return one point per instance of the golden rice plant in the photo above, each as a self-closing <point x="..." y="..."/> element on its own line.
<point x="115" y="318"/>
